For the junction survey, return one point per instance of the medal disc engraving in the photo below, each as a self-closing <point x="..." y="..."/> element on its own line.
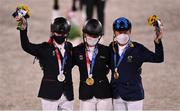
<point x="90" y="81"/>
<point x="116" y="75"/>
<point x="61" y="77"/>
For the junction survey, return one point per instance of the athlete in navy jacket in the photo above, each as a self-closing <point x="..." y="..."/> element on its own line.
<point x="127" y="58"/>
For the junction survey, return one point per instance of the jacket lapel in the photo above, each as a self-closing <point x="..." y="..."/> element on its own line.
<point x="83" y="56"/>
<point x="130" y="48"/>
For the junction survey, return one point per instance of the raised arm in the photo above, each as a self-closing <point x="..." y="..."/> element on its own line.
<point x="33" y="49"/>
<point x="158" y="55"/>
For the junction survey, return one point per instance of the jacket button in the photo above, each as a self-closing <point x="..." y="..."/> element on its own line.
<point x="127" y="83"/>
<point x="100" y="81"/>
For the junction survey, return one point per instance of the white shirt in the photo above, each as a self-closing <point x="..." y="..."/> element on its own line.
<point x="121" y="48"/>
<point x="61" y="48"/>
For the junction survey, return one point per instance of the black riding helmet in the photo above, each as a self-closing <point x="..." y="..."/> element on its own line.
<point x="93" y="27"/>
<point x="121" y="24"/>
<point x="60" y="25"/>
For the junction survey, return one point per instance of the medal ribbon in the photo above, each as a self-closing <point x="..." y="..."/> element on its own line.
<point x="116" y="65"/>
<point x="61" y="65"/>
<point x="90" y="64"/>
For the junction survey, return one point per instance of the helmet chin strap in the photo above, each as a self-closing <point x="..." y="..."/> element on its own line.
<point x="66" y="39"/>
<point x="98" y="39"/>
<point x="113" y="43"/>
<point x="84" y="39"/>
<point x="113" y="37"/>
<point x="85" y="42"/>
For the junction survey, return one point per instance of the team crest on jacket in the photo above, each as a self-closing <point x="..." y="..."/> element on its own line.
<point x="131" y="45"/>
<point x="129" y="58"/>
<point x="102" y="57"/>
<point x="53" y="53"/>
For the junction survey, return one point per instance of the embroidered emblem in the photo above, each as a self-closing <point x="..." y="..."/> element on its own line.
<point x="131" y="45"/>
<point x="129" y="58"/>
<point x="53" y="53"/>
<point x="80" y="57"/>
<point x="102" y="57"/>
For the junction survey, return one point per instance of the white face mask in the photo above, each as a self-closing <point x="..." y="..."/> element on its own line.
<point x="92" y="41"/>
<point x="122" y="38"/>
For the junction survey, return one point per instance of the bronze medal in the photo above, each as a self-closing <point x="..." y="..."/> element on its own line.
<point x="116" y="75"/>
<point x="90" y="81"/>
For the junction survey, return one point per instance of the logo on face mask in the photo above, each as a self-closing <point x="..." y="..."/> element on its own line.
<point x="59" y="39"/>
<point x="122" y="38"/>
<point x="92" y="41"/>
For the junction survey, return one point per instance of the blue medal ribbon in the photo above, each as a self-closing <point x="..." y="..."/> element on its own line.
<point x="116" y="65"/>
<point x="61" y="65"/>
<point x="64" y="61"/>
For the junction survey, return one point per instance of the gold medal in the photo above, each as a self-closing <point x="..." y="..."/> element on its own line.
<point x="90" y="81"/>
<point x="116" y="75"/>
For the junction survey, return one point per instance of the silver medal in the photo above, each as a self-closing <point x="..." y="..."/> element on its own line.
<point x="61" y="77"/>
